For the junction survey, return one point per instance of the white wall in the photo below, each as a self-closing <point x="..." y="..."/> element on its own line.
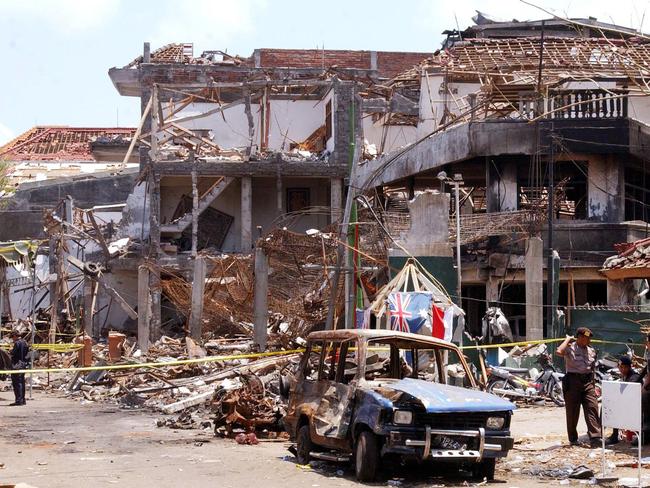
<point x="229" y="128"/>
<point x="396" y="135"/>
<point x="432" y="102"/>
<point x="290" y="121"/>
<point x="294" y="121"/>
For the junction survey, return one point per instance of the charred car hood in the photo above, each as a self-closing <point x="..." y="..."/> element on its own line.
<point x="437" y="397"/>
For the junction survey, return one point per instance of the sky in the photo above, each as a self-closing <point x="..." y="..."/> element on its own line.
<point x="56" y="53"/>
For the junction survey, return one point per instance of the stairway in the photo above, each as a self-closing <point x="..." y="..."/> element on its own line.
<point x="179" y="225"/>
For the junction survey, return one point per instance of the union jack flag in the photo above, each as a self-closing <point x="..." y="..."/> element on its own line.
<point x="409" y="311"/>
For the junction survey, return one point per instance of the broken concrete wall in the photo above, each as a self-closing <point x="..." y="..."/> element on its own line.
<point x="112" y="316"/>
<point x="428" y="234"/>
<point x="267" y="207"/>
<point x="229" y="128"/>
<point x="393" y="136"/>
<point x="293" y="121"/>
<point x="434" y="97"/>
<point x="290" y="121"/>
<point x="86" y="191"/>
<point x="135" y="216"/>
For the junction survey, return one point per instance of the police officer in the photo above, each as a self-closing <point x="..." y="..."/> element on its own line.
<point x="578" y="385"/>
<point x="18" y="361"/>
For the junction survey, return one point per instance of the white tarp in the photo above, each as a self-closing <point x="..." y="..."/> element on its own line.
<point x="621" y="405"/>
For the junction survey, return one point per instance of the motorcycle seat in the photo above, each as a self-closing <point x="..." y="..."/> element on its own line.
<point x="515" y="370"/>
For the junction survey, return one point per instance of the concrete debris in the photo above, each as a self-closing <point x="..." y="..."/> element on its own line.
<point x="227" y="397"/>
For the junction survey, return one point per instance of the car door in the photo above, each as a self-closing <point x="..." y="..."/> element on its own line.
<point x="332" y="418"/>
<point x="306" y="393"/>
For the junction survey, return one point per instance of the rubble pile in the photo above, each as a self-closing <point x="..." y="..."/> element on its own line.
<point x="298" y="288"/>
<point x="231" y="397"/>
<point x="557" y="460"/>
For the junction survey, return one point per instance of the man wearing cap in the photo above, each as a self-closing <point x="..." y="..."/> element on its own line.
<point x="578" y="385"/>
<point x="628" y="375"/>
<point x="18" y="361"/>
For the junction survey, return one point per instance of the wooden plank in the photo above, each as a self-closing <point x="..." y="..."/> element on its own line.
<point x="188" y="402"/>
<point x="136" y="136"/>
<point x="100" y="237"/>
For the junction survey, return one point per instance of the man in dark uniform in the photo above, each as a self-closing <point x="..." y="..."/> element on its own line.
<point x="578" y="386"/>
<point x="18" y="361"/>
<point x="628" y="375"/>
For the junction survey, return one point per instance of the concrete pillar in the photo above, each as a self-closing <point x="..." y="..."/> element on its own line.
<point x="492" y="291"/>
<point x="501" y="188"/>
<point x="195" y="212"/>
<point x="198" y="288"/>
<point x="534" y="288"/>
<point x="143" y="150"/>
<point x="336" y="197"/>
<point x="246" y="214"/>
<point x="154" y="255"/>
<point x="261" y="304"/>
<point x="605" y="189"/>
<point x="279" y="195"/>
<point x="144" y="308"/>
<point x="146" y="53"/>
<point x="620" y="292"/>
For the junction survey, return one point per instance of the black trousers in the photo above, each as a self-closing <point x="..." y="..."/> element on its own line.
<point x="18" y="383"/>
<point x="579" y="390"/>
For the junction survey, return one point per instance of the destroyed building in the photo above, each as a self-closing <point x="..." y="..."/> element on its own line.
<point x="515" y="114"/>
<point x="234" y="151"/>
<point x="234" y="147"/>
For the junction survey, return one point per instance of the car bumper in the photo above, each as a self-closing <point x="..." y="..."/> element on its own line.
<point x="421" y="444"/>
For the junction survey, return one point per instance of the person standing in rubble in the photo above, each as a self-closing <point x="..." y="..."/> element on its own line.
<point x="578" y="385"/>
<point x="18" y="361"/>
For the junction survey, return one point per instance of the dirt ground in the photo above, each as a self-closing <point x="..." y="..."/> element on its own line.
<point x="60" y="442"/>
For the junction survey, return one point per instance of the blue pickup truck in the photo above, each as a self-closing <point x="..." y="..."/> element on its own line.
<point x="364" y="395"/>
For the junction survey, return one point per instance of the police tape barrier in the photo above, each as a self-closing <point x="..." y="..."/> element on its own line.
<point x="165" y="364"/>
<point x="217" y="359"/>
<point x="544" y="341"/>
<point x="57" y="347"/>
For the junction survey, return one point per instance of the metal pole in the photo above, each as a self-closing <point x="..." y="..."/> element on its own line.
<point x="550" y="271"/>
<point x="33" y="300"/>
<point x="458" y="270"/>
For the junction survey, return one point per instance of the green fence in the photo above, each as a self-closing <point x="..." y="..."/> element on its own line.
<point x="611" y="325"/>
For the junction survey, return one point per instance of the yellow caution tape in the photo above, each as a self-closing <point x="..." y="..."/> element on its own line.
<point x="62" y="347"/>
<point x="178" y="362"/>
<point x="542" y="341"/>
<point x="216" y="359"/>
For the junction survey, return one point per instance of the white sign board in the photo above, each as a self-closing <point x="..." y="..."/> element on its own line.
<point x="621" y="405"/>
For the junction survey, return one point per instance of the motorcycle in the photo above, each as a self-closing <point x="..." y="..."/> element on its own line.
<point x="513" y="383"/>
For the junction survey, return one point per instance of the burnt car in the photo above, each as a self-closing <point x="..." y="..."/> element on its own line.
<point x="367" y="395"/>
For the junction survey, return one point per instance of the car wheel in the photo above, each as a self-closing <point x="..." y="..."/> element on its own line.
<point x="366" y="459"/>
<point x="485" y="469"/>
<point x="303" y="445"/>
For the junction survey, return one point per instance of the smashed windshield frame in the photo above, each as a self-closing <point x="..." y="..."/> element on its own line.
<point x="397" y="358"/>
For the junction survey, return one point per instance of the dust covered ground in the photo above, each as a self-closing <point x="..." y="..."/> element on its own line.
<point x="59" y="442"/>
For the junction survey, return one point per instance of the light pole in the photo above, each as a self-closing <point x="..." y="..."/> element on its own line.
<point x="456" y="181"/>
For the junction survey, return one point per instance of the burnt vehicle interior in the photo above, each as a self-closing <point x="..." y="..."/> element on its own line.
<point x="386" y="359"/>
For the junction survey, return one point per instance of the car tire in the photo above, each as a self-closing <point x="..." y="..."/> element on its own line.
<point x="485" y="469"/>
<point x="303" y="445"/>
<point x="366" y="457"/>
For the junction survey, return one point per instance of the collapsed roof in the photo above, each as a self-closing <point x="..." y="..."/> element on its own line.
<point x="61" y="143"/>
